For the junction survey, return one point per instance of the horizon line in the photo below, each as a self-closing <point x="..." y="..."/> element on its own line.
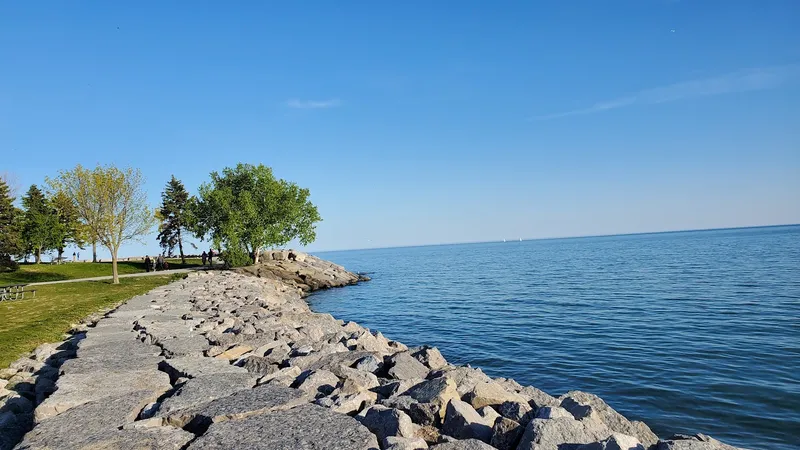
<point x="688" y="230"/>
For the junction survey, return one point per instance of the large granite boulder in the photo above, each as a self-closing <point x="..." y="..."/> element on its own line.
<point x="697" y="442"/>
<point x="403" y="366"/>
<point x="490" y="394"/>
<point x="617" y="441"/>
<point x="582" y="404"/>
<point x="308" y="427"/>
<point x="88" y="422"/>
<point x="462" y="422"/>
<point x="386" y="422"/>
<point x="203" y="389"/>
<point x="466" y="444"/>
<point x="240" y="404"/>
<point x="562" y="433"/>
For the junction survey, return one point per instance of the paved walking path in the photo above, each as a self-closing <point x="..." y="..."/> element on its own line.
<point x="109" y="277"/>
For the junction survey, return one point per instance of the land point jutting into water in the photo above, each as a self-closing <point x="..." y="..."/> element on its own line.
<point x="237" y="359"/>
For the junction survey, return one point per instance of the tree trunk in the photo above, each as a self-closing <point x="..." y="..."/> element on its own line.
<point x="94" y="252"/>
<point x="38" y="255"/>
<point x="114" y="265"/>
<point x="255" y="255"/>
<point x="60" y="254"/>
<point x="180" y="247"/>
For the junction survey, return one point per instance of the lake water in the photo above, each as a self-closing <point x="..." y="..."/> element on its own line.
<point x="690" y="332"/>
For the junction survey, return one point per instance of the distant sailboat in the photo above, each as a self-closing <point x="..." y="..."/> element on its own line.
<point x="504" y="240"/>
<point x="520" y="239"/>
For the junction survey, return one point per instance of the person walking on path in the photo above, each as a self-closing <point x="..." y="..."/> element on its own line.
<point x="73" y="257"/>
<point x="153" y="265"/>
<point x="204" y="256"/>
<point x="160" y="262"/>
<point x="147" y="263"/>
<point x="210" y="257"/>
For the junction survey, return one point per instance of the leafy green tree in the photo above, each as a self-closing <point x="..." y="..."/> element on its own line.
<point x="247" y="209"/>
<point x="111" y="204"/>
<point x="10" y="238"/>
<point x="173" y="215"/>
<point x="40" y="224"/>
<point x="70" y="231"/>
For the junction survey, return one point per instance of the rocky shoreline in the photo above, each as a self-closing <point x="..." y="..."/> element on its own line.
<point x="237" y="359"/>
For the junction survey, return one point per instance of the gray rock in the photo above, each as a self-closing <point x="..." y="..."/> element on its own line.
<point x="617" y="441"/>
<point x="425" y="413"/>
<point x="437" y="391"/>
<point x="283" y="377"/>
<point x="552" y="412"/>
<point x="161" y="438"/>
<point x="72" y="428"/>
<point x="354" y="380"/>
<point x="77" y="389"/>
<point x="307" y="427"/>
<point x="258" y="365"/>
<point x="193" y="345"/>
<point x="467" y="444"/>
<point x="317" y="382"/>
<point x="696" y="442"/>
<point x="506" y="434"/>
<point x="517" y="411"/>
<point x="490" y="394"/>
<point x="581" y="405"/>
<point x="465" y="377"/>
<point x="462" y="422"/>
<point x="488" y="414"/>
<point x="348" y="403"/>
<point x="241" y="404"/>
<point x="205" y="388"/>
<point x="562" y="433"/>
<point x="369" y="363"/>
<point x="401" y="443"/>
<point x="537" y="398"/>
<point x="430" y="356"/>
<point x="396" y="388"/>
<point x="195" y="366"/>
<point x="403" y="366"/>
<point x="385" y="422"/>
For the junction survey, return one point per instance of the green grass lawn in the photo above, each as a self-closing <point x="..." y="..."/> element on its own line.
<point x="25" y="324"/>
<point x="33" y="273"/>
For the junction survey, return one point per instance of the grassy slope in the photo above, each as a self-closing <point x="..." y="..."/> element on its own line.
<point x="24" y="324"/>
<point x="32" y="273"/>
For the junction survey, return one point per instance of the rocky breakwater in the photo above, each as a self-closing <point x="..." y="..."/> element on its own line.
<point x="228" y="360"/>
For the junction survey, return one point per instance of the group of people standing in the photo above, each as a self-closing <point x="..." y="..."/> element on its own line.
<point x="208" y="257"/>
<point x="157" y="263"/>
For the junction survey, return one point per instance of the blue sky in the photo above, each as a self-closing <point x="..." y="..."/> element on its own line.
<point x="425" y="122"/>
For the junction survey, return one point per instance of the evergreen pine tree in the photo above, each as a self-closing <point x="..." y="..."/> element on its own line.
<point x="174" y="204"/>
<point x="40" y="223"/>
<point x="10" y="242"/>
<point x="70" y="231"/>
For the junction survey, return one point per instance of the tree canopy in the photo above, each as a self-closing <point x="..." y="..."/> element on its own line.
<point x="111" y="204"/>
<point x="40" y="224"/>
<point x="70" y="231"/>
<point x="247" y="209"/>
<point x="10" y="237"/>
<point x="173" y="216"/>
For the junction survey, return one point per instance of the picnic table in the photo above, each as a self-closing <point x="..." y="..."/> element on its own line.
<point x="15" y="291"/>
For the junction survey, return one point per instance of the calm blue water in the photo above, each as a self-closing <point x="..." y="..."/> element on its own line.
<point x="690" y="332"/>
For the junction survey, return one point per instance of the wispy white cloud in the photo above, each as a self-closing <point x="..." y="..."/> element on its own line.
<point x="739" y="81"/>
<point x="313" y="104"/>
